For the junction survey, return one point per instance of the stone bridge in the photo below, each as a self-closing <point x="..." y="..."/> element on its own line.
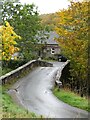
<point x="34" y="91"/>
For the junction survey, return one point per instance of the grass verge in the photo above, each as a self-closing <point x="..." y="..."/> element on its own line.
<point x="72" y="99"/>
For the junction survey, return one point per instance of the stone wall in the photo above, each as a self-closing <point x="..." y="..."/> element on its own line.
<point x="26" y="67"/>
<point x="62" y="71"/>
<point x="65" y="75"/>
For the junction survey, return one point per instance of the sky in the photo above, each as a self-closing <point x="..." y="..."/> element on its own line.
<point x="48" y="6"/>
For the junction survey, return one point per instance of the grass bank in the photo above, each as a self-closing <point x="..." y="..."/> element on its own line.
<point x="72" y="99"/>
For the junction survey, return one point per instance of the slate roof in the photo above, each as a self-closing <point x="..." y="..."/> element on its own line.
<point x="51" y="39"/>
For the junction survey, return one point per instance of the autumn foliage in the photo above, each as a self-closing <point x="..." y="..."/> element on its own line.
<point x="8" y="38"/>
<point x="73" y="31"/>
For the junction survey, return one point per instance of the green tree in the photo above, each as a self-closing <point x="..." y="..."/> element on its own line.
<point x="73" y="30"/>
<point x="49" y="20"/>
<point x="25" y="19"/>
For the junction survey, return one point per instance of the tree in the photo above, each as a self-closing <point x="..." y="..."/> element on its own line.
<point x="25" y="19"/>
<point x="49" y="20"/>
<point x="73" y="31"/>
<point x="7" y="39"/>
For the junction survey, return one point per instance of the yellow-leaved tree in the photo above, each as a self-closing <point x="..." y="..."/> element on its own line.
<point x="7" y="41"/>
<point x="73" y="39"/>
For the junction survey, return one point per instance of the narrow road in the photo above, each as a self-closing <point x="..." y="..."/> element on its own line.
<point x="34" y="93"/>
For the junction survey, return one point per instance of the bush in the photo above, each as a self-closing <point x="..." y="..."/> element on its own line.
<point x="13" y="64"/>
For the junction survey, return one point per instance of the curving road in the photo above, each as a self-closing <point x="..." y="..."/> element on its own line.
<point x="34" y="93"/>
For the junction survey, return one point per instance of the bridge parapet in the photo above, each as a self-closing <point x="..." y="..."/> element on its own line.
<point x="26" y="67"/>
<point x="60" y="73"/>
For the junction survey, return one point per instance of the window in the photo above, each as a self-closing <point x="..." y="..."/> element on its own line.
<point x="52" y="50"/>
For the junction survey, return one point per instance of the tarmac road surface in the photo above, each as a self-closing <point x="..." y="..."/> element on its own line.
<point x="34" y="92"/>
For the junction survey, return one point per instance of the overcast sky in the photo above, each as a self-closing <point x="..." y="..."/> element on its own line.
<point x="48" y="6"/>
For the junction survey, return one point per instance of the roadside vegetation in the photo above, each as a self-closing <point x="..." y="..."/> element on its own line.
<point x="6" y="70"/>
<point x="0" y="102"/>
<point x="72" y="99"/>
<point x="73" y="30"/>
